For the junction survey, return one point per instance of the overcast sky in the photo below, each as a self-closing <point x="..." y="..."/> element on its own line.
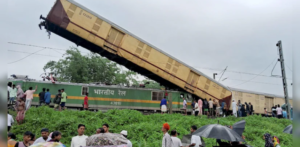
<point x="204" y="34"/>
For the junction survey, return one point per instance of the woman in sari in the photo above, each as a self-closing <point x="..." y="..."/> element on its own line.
<point x="20" y="92"/>
<point x="21" y="111"/>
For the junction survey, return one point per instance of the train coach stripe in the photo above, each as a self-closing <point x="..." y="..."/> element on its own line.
<point x="115" y="99"/>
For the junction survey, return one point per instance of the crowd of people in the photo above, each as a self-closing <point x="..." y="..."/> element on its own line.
<point x="213" y="108"/>
<point x="24" y="99"/>
<point x="77" y="141"/>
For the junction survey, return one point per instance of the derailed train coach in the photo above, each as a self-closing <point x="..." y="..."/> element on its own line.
<point x="104" y="97"/>
<point x="85" y="28"/>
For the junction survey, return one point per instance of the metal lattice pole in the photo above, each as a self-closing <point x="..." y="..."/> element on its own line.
<point x="285" y="86"/>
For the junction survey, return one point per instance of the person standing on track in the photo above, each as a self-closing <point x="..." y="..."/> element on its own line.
<point x="251" y="108"/>
<point x="279" y="111"/>
<point x="247" y="108"/>
<point x="200" y="105"/>
<point x="85" y="103"/>
<point x="184" y="106"/>
<point x="42" y="97"/>
<point x="48" y="97"/>
<point x="63" y="100"/>
<point x="57" y="99"/>
<point x="239" y="104"/>
<point x="234" y="108"/>
<point x="29" y="97"/>
<point x="196" y="108"/>
<point x="210" y="106"/>
<point x="163" y="105"/>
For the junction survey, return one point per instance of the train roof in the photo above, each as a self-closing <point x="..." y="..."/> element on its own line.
<point x="260" y="93"/>
<point x="90" y="85"/>
<point x="127" y="32"/>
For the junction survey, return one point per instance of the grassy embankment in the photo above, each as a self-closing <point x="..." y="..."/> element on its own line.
<point x="144" y="130"/>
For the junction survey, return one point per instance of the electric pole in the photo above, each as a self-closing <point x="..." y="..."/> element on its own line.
<point x="285" y="86"/>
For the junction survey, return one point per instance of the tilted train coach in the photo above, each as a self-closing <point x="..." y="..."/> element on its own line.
<point x="85" y="28"/>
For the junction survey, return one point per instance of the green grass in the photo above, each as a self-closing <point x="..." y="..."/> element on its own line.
<point x="144" y="130"/>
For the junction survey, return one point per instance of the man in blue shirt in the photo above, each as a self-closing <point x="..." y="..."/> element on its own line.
<point x="163" y="105"/>
<point x="47" y="97"/>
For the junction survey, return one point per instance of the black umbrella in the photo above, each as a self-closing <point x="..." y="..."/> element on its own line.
<point x="288" y="129"/>
<point x="219" y="132"/>
<point x="186" y="140"/>
<point x="239" y="127"/>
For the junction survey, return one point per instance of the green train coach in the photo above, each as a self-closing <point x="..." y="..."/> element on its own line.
<point x="104" y="97"/>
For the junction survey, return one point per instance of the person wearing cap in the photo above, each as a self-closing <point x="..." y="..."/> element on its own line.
<point x="45" y="136"/>
<point x="124" y="133"/>
<point x="166" y="142"/>
<point x="176" y="142"/>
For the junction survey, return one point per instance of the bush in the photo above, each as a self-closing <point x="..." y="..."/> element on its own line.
<point x="144" y="130"/>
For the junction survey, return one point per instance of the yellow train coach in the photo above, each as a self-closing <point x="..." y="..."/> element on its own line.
<point x="258" y="100"/>
<point x="85" y="28"/>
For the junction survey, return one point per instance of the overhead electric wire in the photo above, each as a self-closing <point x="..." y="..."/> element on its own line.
<point x="253" y="81"/>
<point x="256" y="76"/>
<point x="240" y="72"/>
<point x="25" y="56"/>
<point x="51" y="48"/>
<point x="34" y="54"/>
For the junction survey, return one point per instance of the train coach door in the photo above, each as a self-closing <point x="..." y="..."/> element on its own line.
<point x="113" y="39"/>
<point x="170" y="103"/>
<point x="191" y="81"/>
<point x="269" y="101"/>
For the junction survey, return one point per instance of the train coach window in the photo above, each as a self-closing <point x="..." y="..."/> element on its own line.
<point x="84" y="90"/>
<point x="157" y="96"/>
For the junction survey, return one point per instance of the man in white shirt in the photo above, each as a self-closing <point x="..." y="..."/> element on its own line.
<point x="234" y="108"/>
<point x="195" y="141"/>
<point x="80" y="139"/>
<point x="44" y="136"/>
<point x="184" y="106"/>
<point x="10" y="120"/>
<point x="166" y="141"/>
<point x="176" y="142"/>
<point x="124" y="133"/>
